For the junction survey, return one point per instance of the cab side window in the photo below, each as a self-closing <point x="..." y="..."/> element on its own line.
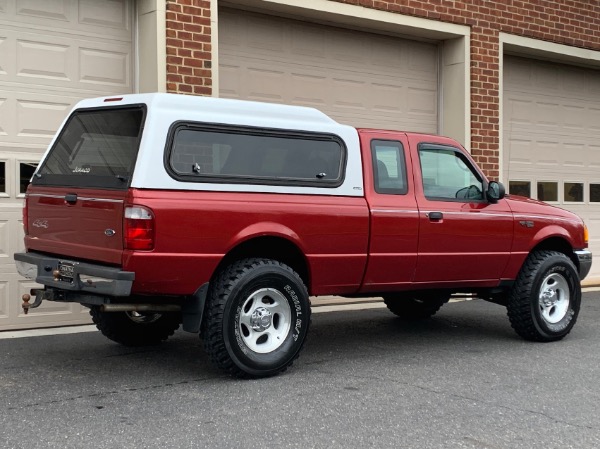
<point x="448" y="175"/>
<point x="389" y="167"/>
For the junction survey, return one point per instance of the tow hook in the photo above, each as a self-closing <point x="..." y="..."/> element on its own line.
<point x="27" y="297"/>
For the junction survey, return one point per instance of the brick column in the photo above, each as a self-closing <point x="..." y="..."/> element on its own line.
<point x="189" y="47"/>
<point x="485" y="99"/>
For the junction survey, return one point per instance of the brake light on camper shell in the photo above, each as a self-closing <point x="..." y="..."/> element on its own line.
<point x="138" y="228"/>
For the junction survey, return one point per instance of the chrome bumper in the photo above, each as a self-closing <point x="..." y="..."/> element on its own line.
<point x="585" y="262"/>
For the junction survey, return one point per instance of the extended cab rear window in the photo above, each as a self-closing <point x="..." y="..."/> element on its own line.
<point x="228" y="154"/>
<point x="96" y="148"/>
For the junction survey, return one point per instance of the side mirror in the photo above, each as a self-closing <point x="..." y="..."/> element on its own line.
<point x="495" y="191"/>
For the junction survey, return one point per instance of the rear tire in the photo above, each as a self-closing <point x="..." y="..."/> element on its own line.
<point x="257" y="318"/>
<point x="416" y="306"/>
<point x="544" y="302"/>
<point x="136" y="329"/>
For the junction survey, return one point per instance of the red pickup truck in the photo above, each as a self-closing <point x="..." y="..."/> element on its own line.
<point x="157" y="210"/>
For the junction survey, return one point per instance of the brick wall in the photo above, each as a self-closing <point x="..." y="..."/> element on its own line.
<point x="570" y="22"/>
<point x="189" y="47"/>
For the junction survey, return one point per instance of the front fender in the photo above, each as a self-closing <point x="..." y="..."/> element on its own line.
<point x="551" y="231"/>
<point x="552" y="237"/>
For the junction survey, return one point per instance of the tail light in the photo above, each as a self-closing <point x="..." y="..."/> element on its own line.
<point x="138" y="228"/>
<point x="26" y="216"/>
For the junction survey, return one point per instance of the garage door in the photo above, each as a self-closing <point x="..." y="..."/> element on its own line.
<point x="552" y="138"/>
<point x="52" y="54"/>
<point x="358" y="78"/>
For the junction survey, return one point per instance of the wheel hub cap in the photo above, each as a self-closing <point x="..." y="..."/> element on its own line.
<point x="554" y="298"/>
<point x="261" y="319"/>
<point x="549" y="297"/>
<point x="265" y="320"/>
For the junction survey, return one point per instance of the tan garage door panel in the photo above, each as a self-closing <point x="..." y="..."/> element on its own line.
<point x="552" y="134"/>
<point x="358" y="78"/>
<point x="52" y="54"/>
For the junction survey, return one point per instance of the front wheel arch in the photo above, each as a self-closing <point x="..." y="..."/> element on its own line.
<point x="548" y="283"/>
<point x="554" y="243"/>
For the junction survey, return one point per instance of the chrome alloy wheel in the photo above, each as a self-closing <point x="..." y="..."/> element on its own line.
<point x="554" y="298"/>
<point x="265" y="320"/>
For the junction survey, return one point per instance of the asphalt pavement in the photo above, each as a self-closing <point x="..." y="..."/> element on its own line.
<point x="462" y="379"/>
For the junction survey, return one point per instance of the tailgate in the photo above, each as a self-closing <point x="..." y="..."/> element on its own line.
<point x="76" y="198"/>
<point x="82" y="224"/>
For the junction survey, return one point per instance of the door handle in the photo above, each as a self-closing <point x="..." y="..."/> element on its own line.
<point x="435" y="216"/>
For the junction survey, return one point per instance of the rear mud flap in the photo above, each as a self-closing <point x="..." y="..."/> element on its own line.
<point x="192" y="310"/>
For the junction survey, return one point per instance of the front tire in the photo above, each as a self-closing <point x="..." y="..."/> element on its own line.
<point x="135" y="329"/>
<point x="257" y="318"/>
<point x="545" y="300"/>
<point x="416" y="306"/>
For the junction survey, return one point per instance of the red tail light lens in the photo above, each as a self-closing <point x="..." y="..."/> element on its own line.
<point x="138" y="228"/>
<point x="25" y="216"/>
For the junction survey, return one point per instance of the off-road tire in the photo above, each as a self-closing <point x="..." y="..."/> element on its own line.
<point x="125" y="329"/>
<point x="530" y="317"/>
<point x="239" y="294"/>
<point x="416" y="306"/>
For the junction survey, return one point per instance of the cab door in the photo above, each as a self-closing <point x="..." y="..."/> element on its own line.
<point x="394" y="220"/>
<point x="463" y="237"/>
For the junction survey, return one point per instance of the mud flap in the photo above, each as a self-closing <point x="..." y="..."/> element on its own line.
<point x="192" y="310"/>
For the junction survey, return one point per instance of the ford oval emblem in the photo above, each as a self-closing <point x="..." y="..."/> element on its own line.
<point x="109" y="232"/>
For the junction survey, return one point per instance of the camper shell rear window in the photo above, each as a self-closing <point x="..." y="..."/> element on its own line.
<point x="96" y="148"/>
<point x="198" y="152"/>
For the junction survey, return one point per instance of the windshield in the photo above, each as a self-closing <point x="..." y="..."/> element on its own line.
<point x="96" y="148"/>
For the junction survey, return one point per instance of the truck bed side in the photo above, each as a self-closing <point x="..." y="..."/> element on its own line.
<point x="195" y="233"/>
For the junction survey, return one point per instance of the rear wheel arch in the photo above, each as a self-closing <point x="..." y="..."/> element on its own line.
<point x="268" y="247"/>
<point x="257" y="318"/>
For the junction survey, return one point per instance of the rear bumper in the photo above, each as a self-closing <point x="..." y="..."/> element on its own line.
<point x="585" y="262"/>
<point x="83" y="277"/>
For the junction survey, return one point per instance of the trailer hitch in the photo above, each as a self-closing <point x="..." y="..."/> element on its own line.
<point x="39" y="296"/>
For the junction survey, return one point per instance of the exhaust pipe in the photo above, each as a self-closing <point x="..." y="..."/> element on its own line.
<point x="158" y="308"/>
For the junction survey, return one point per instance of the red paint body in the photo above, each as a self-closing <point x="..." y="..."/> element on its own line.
<point x="352" y="245"/>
